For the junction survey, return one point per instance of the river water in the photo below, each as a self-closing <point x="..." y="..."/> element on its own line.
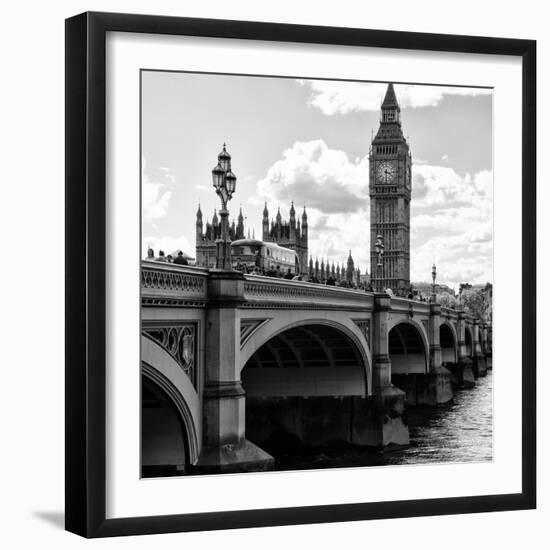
<point x="459" y="432"/>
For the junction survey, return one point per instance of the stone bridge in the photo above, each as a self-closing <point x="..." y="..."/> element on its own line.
<point x="233" y="364"/>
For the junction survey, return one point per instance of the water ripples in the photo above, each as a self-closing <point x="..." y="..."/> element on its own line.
<point x="459" y="432"/>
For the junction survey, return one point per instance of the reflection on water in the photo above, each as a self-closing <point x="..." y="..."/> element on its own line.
<point x="460" y="432"/>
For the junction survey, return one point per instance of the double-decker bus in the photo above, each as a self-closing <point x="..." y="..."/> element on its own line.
<point x="254" y="255"/>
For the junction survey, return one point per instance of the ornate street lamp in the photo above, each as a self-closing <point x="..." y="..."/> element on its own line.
<point x="434" y="275"/>
<point x="379" y="248"/>
<point x="225" y="183"/>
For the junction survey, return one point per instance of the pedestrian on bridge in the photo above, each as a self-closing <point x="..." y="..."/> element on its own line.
<point x="180" y="259"/>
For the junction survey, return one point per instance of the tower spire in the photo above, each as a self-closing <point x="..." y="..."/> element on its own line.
<point x="390" y="110"/>
<point x="390" y="99"/>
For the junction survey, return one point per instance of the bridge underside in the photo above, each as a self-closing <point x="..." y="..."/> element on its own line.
<point x="305" y="361"/>
<point x="410" y="368"/>
<point x="407" y="351"/>
<point x="448" y="345"/>
<point x="163" y="435"/>
<point x="306" y="387"/>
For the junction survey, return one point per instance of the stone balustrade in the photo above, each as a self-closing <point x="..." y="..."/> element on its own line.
<point x="164" y="284"/>
<point x="260" y="291"/>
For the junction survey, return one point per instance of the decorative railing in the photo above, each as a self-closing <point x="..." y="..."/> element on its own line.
<point x="164" y="284"/>
<point x="280" y="293"/>
<point x="449" y="313"/>
<point x="172" y="285"/>
<point x="412" y="307"/>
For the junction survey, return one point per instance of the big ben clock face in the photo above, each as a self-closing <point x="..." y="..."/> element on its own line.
<point x="386" y="172"/>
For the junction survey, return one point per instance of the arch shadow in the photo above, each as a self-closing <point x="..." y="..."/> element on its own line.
<point x="162" y="369"/>
<point x="305" y="384"/>
<point x="349" y="329"/>
<point x="188" y="432"/>
<point x="448" y="340"/>
<point x="401" y="339"/>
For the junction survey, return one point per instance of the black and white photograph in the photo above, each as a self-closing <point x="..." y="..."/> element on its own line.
<point x="316" y="273"/>
<point x="279" y="275"/>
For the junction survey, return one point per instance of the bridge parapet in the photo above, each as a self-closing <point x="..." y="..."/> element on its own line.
<point x="449" y="314"/>
<point x="173" y="285"/>
<point x="260" y="291"/>
<point x="404" y="305"/>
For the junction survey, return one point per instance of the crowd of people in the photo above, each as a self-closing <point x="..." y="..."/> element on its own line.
<point x="179" y="259"/>
<point x="277" y="272"/>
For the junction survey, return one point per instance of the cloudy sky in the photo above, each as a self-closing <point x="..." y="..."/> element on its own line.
<point x="307" y="141"/>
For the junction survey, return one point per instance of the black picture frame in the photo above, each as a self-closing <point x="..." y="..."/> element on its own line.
<point x="85" y="273"/>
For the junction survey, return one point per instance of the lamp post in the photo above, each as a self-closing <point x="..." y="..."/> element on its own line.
<point x="434" y="275"/>
<point x="379" y="248"/>
<point x="225" y="183"/>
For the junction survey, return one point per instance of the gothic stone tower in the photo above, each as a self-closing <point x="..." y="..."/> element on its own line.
<point x="390" y="197"/>
<point x="290" y="234"/>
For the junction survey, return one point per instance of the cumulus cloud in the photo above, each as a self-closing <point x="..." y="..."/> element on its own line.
<point x="335" y="190"/>
<point x="325" y="179"/>
<point x="333" y="97"/>
<point x="442" y="186"/>
<point x="156" y="192"/>
<point x="458" y="259"/>
<point x="452" y="225"/>
<point x="340" y="234"/>
<point x="451" y="213"/>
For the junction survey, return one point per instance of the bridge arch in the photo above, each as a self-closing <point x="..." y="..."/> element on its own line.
<point x="408" y="348"/>
<point x="448" y="341"/>
<point x="164" y="441"/>
<point x="301" y="386"/>
<point x="164" y="377"/>
<point x="276" y="327"/>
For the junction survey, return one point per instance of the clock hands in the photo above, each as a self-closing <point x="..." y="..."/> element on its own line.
<point x="386" y="173"/>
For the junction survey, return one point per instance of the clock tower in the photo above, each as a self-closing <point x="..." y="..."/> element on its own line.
<point x="390" y="197"/>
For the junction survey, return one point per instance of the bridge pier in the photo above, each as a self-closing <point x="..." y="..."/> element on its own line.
<point x="225" y="448"/>
<point x="381" y="423"/>
<point x="462" y="372"/>
<point x="479" y="364"/>
<point x="432" y="387"/>
<point x="489" y="347"/>
<point x="437" y="387"/>
<point x="289" y="423"/>
<point x="485" y="345"/>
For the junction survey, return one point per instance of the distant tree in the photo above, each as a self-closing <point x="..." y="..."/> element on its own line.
<point x="446" y="299"/>
<point x="475" y="303"/>
<point x="463" y="287"/>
